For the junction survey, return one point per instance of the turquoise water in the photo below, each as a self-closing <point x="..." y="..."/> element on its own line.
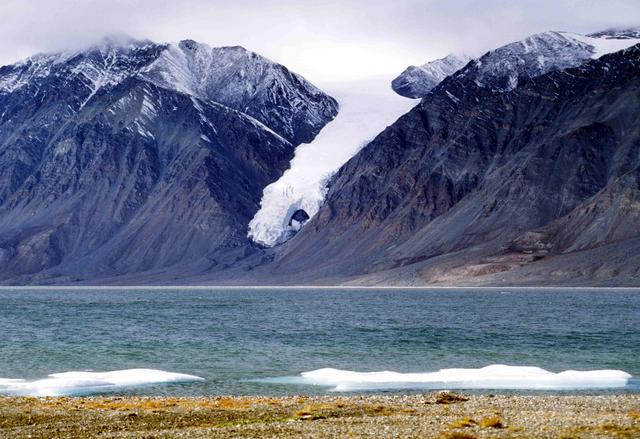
<point x="231" y="337"/>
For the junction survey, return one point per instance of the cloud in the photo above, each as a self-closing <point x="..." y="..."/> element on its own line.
<point x="322" y="39"/>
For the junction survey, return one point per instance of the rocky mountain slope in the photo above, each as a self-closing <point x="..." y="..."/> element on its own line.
<point x="482" y="185"/>
<point x="132" y="155"/>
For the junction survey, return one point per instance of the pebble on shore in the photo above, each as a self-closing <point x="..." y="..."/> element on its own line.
<point x="434" y="415"/>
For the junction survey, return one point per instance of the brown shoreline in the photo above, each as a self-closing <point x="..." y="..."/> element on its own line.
<point x="434" y="415"/>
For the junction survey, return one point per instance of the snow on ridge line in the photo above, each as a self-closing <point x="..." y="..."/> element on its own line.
<point x="602" y="45"/>
<point x="87" y="383"/>
<point x="366" y="108"/>
<point x="496" y="376"/>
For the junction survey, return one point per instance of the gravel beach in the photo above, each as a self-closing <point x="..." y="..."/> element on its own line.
<point x="434" y="415"/>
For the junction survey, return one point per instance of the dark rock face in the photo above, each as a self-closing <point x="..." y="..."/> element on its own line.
<point x="299" y="216"/>
<point x="107" y="170"/>
<point x="617" y="33"/>
<point x="487" y="180"/>
<point x="611" y="215"/>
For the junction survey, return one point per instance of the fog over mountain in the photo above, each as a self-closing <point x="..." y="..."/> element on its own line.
<point x="321" y="40"/>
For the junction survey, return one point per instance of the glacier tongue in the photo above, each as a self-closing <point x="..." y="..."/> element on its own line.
<point x="366" y="108"/>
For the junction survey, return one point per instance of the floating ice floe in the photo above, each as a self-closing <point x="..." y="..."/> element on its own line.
<point x="87" y="383"/>
<point x="496" y="376"/>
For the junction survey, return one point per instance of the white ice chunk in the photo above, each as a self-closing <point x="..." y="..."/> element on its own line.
<point x="496" y="376"/>
<point x="86" y="383"/>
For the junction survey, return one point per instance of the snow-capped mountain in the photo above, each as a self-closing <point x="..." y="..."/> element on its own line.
<point x="232" y="76"/>
<point x="131" y="156"/>
<point x="503" y="68"/>
<point x="417" y="81"/>
<point x="243" y="80"/>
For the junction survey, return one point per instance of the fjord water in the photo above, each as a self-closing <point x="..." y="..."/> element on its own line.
<point x="233" y="338"/>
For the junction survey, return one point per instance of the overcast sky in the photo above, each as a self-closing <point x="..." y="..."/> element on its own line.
<point x="321" y="39"/>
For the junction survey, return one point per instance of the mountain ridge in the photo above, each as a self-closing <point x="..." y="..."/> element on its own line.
<point x="502" y="68"/>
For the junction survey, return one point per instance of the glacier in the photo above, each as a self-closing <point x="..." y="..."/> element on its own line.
<point x="496" y="376"/>
<point x="367" y="107"/>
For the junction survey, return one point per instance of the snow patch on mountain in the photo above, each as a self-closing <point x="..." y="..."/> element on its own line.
<point x="180" y="70"/>
<point x="16" y="76"/>
<point x="366" y="108"/>
<point x="105" y="63"/>
<point x="603" y="44"/>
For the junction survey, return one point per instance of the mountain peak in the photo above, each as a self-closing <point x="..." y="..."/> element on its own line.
<point x="501" y="69"/>
<point x="230" y="76"/>
<point x="193" y="45"/>
<point x="417" y="81"/>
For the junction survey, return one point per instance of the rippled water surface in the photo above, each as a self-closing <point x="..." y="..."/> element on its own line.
<point x="230" y="337"/>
